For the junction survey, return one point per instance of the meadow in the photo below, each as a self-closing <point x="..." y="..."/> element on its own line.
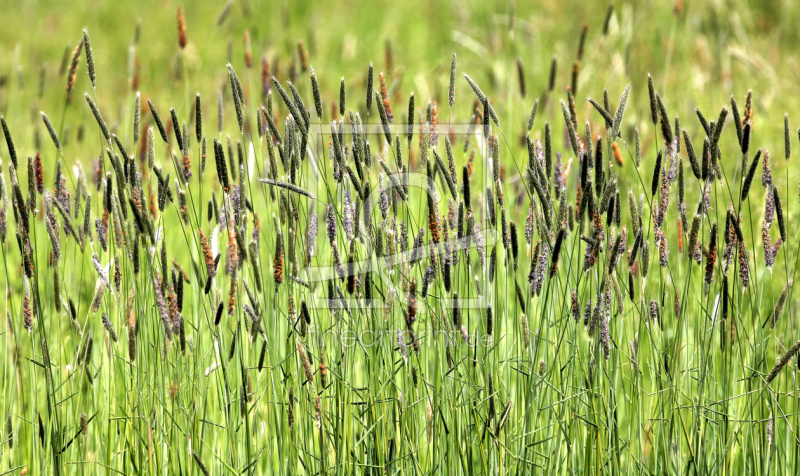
<point x="399" y="238"/>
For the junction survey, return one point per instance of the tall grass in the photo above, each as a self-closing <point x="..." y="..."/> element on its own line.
<point x="169" y="316"/>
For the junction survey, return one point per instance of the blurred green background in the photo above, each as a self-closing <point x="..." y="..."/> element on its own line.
<point x="701" y="56"/>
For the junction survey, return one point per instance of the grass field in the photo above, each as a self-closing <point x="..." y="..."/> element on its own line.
<point x="399" y="238"/>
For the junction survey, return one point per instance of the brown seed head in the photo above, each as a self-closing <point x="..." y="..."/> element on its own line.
<point x="181" y="28"/>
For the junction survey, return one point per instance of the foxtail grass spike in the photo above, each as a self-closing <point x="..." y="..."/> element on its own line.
<point x="779" y="214"/>
<point x="410" y="130"/>
<point x="12" y="152"/>
<point x="87" y="45"/>
<point x="290" y="105"/>
<point x="573" y="137"/>
<point x="787" y="141"/>
<point x="317" y="98"/>
<point x="737" y="120"/>
<point x="342" y="106"/>
<point x="182" y="40"/>
<point x="666" y="129"/>
<point x="748" y="180"/>
<point x="656" y="173"/>
<point x="288" y="186"/>
<point x="782" y="361"/>
<point x="603" y="112"/>
<point x="98" y="117"/>
<point x="52" y="131"/>
<point x="653" y="102"/>
<point x="695" y="163"/>
<point x="623" y="101"/>
<point x="451" y="96"/>
<point x="159" y="124"/>
<point x="533" y="114"/>
<point x="198" y="119"/>
<point x="370" y="86"/>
